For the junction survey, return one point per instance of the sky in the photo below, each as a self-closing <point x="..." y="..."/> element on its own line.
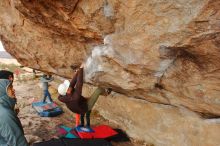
<point x="1" y="47"/>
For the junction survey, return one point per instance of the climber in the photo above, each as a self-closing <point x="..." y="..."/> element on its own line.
<point x="45" y="79"/>
<point x="71" y="95"/>
<point x="11" y="131"/>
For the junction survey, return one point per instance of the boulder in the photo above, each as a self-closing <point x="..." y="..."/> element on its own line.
<point x="165" y="53"/>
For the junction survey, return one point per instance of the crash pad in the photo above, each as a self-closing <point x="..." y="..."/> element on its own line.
<point x="74" y="142"/>
<point x="66" y="132"/>
<point x="86" y="142"/>
<point x="101" y="131"/>
<point x="84" y="129"/>
<point x="45" y="109"/>
<point x="53" y="142"/>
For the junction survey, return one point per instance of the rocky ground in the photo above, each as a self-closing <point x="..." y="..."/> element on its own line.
<point x="40" y="128"/>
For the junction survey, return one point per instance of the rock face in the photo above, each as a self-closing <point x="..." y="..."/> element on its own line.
<point x="164" y="52"/>
<point x="160" y="125"/>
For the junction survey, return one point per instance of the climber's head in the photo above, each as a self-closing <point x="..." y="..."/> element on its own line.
<point x="62" y="89"/>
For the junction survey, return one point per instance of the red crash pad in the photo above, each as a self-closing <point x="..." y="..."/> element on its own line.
<point x="102" y="131"/>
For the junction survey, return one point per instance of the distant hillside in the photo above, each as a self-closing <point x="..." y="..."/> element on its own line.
<point x="4" y="54"/>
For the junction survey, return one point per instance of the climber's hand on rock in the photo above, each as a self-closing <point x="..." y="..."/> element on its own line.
<point x="82" y="65"/>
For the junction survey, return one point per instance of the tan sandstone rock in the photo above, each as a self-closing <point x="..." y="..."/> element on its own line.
<point x="160" y="125"/>
<point x="160" y="51"/>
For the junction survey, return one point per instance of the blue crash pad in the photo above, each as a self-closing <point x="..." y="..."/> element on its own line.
<point x="45" y="109"/>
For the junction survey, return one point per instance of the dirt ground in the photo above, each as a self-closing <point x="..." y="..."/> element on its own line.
<point x="43" y="128"/>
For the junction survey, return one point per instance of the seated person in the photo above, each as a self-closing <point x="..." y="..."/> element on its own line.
<point x="11" y="131"/>
<point x="71" y="95"/>
<point x="5" y="74"/>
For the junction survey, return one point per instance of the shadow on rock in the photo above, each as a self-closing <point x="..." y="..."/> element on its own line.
<point x="120" y="137"/>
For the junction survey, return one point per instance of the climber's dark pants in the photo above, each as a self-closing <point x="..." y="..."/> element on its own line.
<point x="87" y="119"/>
